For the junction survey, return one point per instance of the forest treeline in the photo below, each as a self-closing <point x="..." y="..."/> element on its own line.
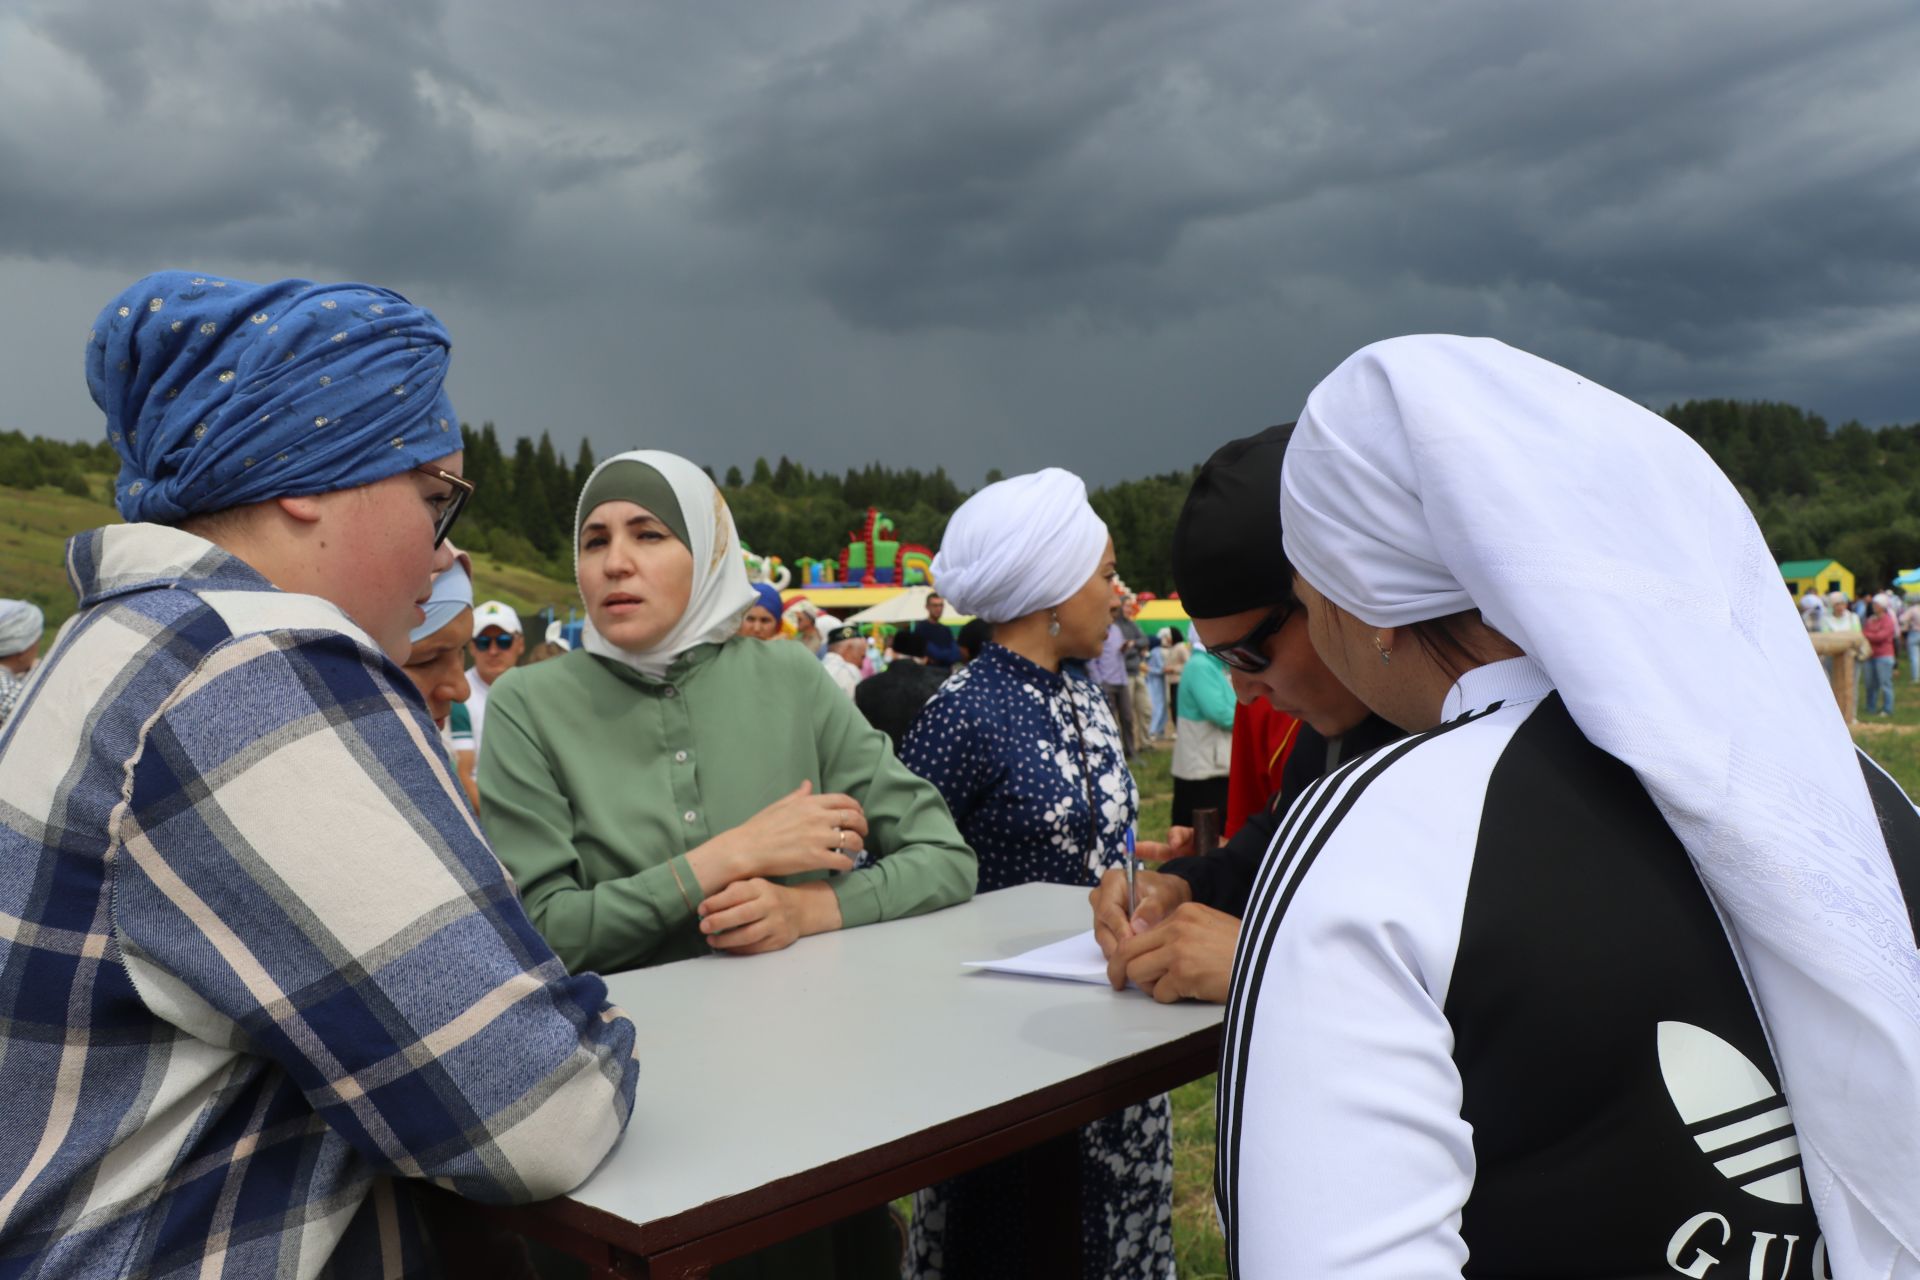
<point x="1849" y="492"/>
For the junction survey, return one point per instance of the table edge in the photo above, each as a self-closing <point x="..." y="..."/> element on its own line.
<point x="1113" y="1085"/>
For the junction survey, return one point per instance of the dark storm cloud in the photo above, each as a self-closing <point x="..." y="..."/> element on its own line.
<point x="1681" y="175"/>
<point x="1086" y="232"/>
<point x="976" y="165"/>
<point x="200" y="131"/>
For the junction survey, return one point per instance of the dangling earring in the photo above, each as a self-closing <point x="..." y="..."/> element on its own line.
<point x="1386" y="654"/>
<point x="1053" y="623"/>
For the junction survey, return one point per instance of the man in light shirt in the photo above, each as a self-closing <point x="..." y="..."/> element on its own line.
<point x="498" y="643"/>
<point x="846" y="650"/>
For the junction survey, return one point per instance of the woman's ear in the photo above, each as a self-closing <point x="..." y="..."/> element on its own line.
<point x="305" y="510"/>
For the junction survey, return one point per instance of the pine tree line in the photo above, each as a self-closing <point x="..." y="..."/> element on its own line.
<point x="29" y="462"/>
<point x="1849" y="492"/>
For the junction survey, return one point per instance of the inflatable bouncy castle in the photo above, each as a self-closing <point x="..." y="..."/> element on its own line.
<point x="875" y="558"/>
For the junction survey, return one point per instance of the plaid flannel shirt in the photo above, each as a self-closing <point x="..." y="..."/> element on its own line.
<point x="257" y="961"/>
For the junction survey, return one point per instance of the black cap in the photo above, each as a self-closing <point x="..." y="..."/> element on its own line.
<point x="843" y="633"/>
<point x="1226" y="545"/>
<point x="909" y="645"/>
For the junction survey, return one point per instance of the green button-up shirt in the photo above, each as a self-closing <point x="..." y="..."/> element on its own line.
<point x="596" y="780"/>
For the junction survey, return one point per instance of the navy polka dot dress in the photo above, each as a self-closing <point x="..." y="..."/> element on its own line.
<point x="1030" y="762"/>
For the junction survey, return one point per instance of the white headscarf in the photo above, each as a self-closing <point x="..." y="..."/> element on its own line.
<point x="1432" y="474"/>
<point x="1019" y="546"/>
<point x="721" y="593"/>
<point x="21" y="624"/>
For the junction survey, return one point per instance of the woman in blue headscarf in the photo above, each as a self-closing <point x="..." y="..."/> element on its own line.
<point x="298" y="945"/>
<point x="437" y="664"/>
<point x="762" y="619"/>
<point x="241" y="410"/>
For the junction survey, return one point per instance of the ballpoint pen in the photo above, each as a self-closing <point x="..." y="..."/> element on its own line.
<point x="1133" y="863"/>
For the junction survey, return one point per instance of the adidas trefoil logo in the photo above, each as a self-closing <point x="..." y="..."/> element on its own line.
<point x="1738" y="1120"/>
<point x="1742" y="1124"/>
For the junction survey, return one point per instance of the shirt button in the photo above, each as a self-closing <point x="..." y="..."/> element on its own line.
<point x="671" y="692"/>
<point x="680" y="757"/>
<point x="689" y="815"/>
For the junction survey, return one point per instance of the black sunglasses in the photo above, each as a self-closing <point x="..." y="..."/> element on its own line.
<point x="456" y="502"/>
<point x="501" y="642"/>
<point x="1247" y="655"/>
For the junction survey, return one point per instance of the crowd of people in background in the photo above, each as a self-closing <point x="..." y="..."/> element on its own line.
<point x="1885" y="622"/>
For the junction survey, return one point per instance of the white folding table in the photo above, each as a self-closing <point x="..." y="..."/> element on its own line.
<point x="779" y="1093"/>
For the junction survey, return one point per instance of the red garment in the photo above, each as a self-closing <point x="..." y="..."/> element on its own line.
<point x="1880" y="630"/>
<point x="1262" y="740"/>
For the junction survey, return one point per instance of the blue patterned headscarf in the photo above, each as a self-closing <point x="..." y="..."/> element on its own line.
<point x="219" y="392"/>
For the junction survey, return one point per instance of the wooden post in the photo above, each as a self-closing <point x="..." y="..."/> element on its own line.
<point x="1842" y="647"/>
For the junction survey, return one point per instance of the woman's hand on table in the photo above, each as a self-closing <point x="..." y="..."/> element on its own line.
<point x="751" y="916"/>
<point x="1188" y="955"/>
<point x="1158" y="894"/>
<point x="798" y="832"/>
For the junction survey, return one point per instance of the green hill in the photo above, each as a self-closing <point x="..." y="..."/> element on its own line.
<point x="36" y="523"/>
<point x="34" y="527"/>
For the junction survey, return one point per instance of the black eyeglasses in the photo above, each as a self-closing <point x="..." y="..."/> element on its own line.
<point x="456" y="502"/>
<point x="501" y="642"/>
<point x="1247" y="655"/>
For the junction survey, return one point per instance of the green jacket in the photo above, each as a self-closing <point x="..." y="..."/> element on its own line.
<point x="594" y="777"/>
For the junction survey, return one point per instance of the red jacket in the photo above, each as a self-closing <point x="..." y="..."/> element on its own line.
<point x="1880" y="630"/>
<point x="1262" y="740"/>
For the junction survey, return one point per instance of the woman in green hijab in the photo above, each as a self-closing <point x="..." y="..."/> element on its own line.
<point x="671" y="788"/>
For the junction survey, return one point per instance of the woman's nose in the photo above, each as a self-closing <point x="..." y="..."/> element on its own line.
<point x="617" y="563"/>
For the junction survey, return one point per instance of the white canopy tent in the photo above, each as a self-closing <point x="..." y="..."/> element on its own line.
<point x="908" y="607"/>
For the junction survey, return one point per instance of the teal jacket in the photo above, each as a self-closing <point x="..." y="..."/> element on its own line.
<point x="1205" y="691"/>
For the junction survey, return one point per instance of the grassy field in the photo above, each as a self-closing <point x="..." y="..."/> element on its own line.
<point x="34" y="527"/>
<point x="1894" y="741"/>
<point x="36" y="523"/>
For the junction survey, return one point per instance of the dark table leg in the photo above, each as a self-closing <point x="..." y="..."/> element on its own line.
<point x="1055" y="1166"/>
<point x="474" y="1240"/>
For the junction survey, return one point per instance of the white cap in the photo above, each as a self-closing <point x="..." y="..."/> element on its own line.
<point x="495" y="614"/>
<point x="557" y="634"/>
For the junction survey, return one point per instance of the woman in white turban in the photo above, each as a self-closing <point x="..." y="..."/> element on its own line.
<point x="1024" y="748"/>
<point x="1608" y="970"/>
<point x="21" y="624"/>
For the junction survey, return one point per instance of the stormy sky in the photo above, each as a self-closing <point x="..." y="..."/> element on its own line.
<point x="1096" y="233"/>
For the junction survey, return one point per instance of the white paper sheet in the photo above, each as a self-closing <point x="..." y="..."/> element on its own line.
<point x="1075" y="959"/>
